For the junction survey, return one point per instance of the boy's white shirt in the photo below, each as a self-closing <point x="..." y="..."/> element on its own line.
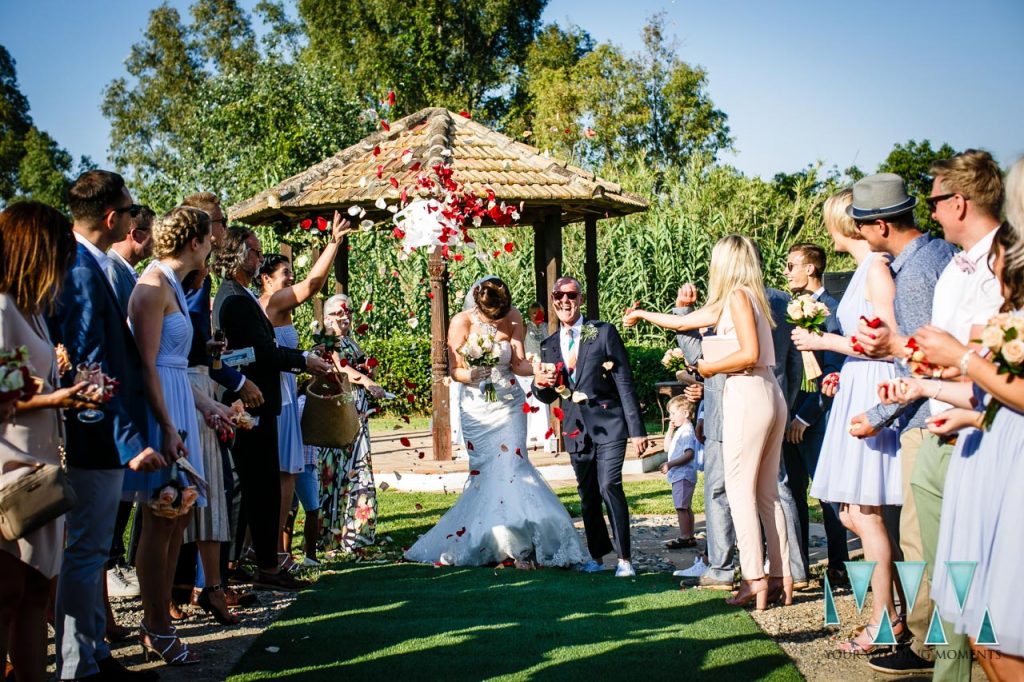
<point x="683" y="439"/>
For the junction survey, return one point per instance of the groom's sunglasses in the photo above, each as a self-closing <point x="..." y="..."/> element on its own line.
<point x="559" y="295"/>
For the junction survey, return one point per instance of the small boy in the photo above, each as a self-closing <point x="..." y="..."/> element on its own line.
<point x="681" y="468"/>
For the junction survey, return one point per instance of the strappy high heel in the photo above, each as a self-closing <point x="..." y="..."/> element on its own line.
<point x="168" y="647"/>
<point x="748" y="591"/>
<point x="780" y="590"/>
<point x="204" y="602"/>
<point x="864" y="637"/>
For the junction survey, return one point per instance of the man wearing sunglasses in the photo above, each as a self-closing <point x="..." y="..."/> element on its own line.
<point x="966" y="199"/>
<point x="586" y="364"/>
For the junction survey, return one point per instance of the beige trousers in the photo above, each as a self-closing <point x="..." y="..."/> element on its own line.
<point x="754" y="422"/>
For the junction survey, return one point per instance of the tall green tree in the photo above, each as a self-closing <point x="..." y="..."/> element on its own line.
<point x="911" y="162"/>
<point x="14" y="125"/>
<point x="460" y="54"/>
<point x="32" y="164"/>
<point x="608" y="105"/>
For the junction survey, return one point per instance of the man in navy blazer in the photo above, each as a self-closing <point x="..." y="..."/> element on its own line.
<point x="805" y="267"/>
<point x="600" y="412"/>
<point x="92" y="323"/>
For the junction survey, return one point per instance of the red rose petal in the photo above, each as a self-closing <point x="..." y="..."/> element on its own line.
<point x="380" y="170"/>
<point x="306" y="224"/>
<point x="384" y="125"/>
<point x="559" y="414"/>
<point x="474" y="472"/>
<point x="405" y="418"/>
<point x="411" y="398"/>
<point x="469" y="445"/>
<point x="464" y="114"/>
<point x="550" y="432"/>
<point x="509" y="246"/>
<point x="405" y="442"/>
<point x="418" y="506"/>
<point x="362" y="329"/>
<point x="376" y="150"/>
<point x="321" y="223"/>
<point x="343" y="362"/>
<point x="391" y="98"/>
<point x="372" y="362"/>
<point x="573" y="434"/>
<point x="421" y="455"/>
<point x="410" y="384"/>
<point x="460" y="532"/>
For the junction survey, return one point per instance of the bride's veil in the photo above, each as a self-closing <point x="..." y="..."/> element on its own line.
<point x="469" y="302"/>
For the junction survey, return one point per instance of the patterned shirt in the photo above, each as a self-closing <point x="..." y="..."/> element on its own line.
<point x="915" y="271"/>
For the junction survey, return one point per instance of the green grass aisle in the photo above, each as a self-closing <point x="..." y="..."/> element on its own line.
<point x="416" y="622"/>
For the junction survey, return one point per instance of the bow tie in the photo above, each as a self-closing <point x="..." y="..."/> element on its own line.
<point x="964" y="263"/>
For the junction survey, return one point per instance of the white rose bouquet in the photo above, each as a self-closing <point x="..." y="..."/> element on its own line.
<point x="673" y="360"/>
<point x="1004" y="337"/>
<point x="482" y="350"/>
<point x="804" y="311"/>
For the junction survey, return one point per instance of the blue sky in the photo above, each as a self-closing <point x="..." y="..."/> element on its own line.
<point x="800" y="81"/>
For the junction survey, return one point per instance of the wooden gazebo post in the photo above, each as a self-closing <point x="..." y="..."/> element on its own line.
<point x="591" y="268"/>
<point x="441" y="419"/>
<point x="547" y="261"/>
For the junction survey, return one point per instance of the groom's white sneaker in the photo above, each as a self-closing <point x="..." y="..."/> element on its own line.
<point x="625" y="569"/>
<point x="697" y="570"/>
<point x="590" y="567"/>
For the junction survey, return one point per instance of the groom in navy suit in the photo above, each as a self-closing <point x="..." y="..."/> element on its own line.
<point x="585" y="363"/>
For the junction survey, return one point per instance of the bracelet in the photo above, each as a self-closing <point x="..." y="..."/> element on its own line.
<point x="936" y="396"/>
<point x="964" y="360"/>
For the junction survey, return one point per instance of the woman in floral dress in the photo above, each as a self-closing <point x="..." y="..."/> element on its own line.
<point x="348" y="497"/>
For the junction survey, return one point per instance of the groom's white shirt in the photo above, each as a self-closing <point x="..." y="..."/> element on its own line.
<point x="563" y="338"/>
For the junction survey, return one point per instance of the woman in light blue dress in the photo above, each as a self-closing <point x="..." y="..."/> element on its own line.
<point x="280" y="295"/>
<point x="861" y="475"/>
<point x="983" y="504"/>
<point x="158" y="315"/>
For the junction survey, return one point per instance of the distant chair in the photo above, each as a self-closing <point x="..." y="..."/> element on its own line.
<point x="836" y="283"/>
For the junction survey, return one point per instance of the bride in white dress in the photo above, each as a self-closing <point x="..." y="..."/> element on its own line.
<point x="506" y="510"/>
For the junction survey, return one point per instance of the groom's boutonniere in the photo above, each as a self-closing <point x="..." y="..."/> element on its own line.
<point x="588" y="333"/>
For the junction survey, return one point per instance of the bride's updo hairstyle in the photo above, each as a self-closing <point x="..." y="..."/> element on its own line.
<point x="493" y="298"/>
<point x="174" y="231"/>
<point x="1009" y="240"/>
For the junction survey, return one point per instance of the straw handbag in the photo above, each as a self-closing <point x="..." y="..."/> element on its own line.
<point x="330" y="419"/>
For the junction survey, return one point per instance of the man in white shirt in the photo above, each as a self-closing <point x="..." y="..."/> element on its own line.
<point x="966" y="198"/>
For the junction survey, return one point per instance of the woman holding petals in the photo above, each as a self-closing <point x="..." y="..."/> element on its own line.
<point x="281" y="294"/>
<point x="754" y="410"/>
<point x="861" y="474"/>
<point x="348" y="497"/>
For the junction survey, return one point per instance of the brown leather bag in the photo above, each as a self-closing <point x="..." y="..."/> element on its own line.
<point x="330" y="419"/>
<point x="33" y="499"/>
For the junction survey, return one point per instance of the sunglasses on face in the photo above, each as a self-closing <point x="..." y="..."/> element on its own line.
<point x="791" y="266"/>
<point x="132" y="209"/>
<point x="559" y="295"/>
<point x="933" y="201"/>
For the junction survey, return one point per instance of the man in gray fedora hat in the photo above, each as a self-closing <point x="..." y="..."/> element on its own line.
<point x="884" y="215"/>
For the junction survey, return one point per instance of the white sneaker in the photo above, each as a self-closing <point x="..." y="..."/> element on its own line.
<point x="309" y="563"/>
<point x="625" y="570"/>
<point x="121" y="582"/>
<point x="697" y="570"/>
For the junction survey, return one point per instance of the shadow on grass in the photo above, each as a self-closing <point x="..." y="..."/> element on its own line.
<point x="411" y="621"/>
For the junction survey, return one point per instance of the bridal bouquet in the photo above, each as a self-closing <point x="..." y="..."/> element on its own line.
<point x="1004" y="337"/>
<point x="804" y="311"/>
<point x="16" y="380"/>
<point x="674" y="360"/>
<point x="482" y="350"/>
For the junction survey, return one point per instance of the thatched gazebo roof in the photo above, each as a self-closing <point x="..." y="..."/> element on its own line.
<point x="548" y="192"/>
<point x="481" y="158"/>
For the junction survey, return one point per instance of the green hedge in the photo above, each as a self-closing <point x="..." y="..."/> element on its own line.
<point x="407" y="359"/>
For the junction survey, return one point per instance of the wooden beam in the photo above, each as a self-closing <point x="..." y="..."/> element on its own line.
<point x="442" y="436"/>
<point x="552" y="263"/>
<point x="590" y="269"/>
<point x="341" y="267"/>
<point x="539" y="274"/>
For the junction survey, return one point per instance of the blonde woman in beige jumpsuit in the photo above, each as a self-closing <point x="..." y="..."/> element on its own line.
<point x="754" y="412"/>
